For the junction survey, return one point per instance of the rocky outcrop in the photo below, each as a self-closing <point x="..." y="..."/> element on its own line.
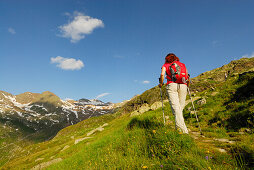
<point x="101" y="128"/>
<point x="157" y="105"/>
<point x="201" y="102"/>
<point x="81" y="139"/>
<point x="65" y="147"/>
<point x="145" y="107"/>
<point x="208" y="79"/>
<point x="46" y="164"/>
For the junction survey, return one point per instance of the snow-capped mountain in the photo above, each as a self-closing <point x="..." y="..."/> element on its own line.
<point x="94" y="102"/>
<point x="42" y="111"/>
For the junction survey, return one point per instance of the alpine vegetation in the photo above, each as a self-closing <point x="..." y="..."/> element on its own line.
<point x="135" y="136"/>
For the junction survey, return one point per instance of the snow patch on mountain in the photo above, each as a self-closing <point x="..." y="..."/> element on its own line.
<point x="20" y="114"/>
<point x="94" y="102"/>
<point x="42" y="107"/>
<point x="44" y="110"/>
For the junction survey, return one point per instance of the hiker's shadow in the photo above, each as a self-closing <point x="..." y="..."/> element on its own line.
<point x="144" y="124"/>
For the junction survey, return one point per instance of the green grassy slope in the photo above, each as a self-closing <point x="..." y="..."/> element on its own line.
<point x="142" y="141"/>
<point x="12" y="138"/>
<point x="229" y="113"/>
<point x="127" y="142"/>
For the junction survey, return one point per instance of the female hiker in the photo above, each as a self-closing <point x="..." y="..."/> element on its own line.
<point x="177" y="77"/>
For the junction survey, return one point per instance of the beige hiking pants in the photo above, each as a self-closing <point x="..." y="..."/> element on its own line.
<point x="176" y="96"/>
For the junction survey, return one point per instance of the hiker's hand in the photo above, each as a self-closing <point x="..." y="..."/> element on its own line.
<point x="160" y="85"/>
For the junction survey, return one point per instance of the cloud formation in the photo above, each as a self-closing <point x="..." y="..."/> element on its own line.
<point x="142" y="82"/>
<point x="79" y="26"/>
<point x="67" y="63"/>
<point x="11" y="30"/>
<point x="102" y="95"/>
<point x="215" y="42"/>
<point x="248" y="56"/>
<point x="66" y="99"/>
<point x="146" y="82"/>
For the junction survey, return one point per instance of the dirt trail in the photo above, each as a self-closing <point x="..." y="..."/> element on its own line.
<point x="210" y="143"/>
<point x="46" y="164"/>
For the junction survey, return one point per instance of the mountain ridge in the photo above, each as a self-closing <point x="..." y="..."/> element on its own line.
<point x="41" y="111"/>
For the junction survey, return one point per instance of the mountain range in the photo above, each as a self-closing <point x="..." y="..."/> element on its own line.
<point x="37" y="112"/>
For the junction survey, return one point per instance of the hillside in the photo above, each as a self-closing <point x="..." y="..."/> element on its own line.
<point x="205" y="81"/>
<point x="30" y="118"/>
<point x="134" y="137"/>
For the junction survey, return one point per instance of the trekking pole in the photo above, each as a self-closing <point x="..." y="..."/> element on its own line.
<point x="162" y="103"/>
<point x="162" y="107"/>
<point x="194" y="110"/>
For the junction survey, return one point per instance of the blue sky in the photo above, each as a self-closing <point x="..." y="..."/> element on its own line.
<point x="114" y="49"/>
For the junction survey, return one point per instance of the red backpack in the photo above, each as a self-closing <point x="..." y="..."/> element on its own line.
<point x="178" y="72"/>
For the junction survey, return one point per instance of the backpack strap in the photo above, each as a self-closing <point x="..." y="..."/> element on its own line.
<point x="175" y="71"/>
<point x="169" y="77"/>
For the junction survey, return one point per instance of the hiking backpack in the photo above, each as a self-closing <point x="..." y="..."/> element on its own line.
<point x="178" y="72"/>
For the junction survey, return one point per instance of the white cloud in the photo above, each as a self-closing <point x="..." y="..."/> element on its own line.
<point x="215" y="42"/>
<point x="67" y="63"/>
<point x="142" y="82"/>
<point x="11" y="30"/>
<point x="66" y="99"/>
<point x="146" y="82"/>
<point x="79" y="26"/>
<point x="67" y="14"/>
<point x="118" y="56"/>
<point x="102" y="95"/>
<point x="248" y="56"/>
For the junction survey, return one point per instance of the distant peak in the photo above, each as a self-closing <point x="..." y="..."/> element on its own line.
<point x="48" y="93"/>
<point x="95" y="100"/>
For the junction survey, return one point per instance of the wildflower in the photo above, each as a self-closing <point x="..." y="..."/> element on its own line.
<point x="206" y="157"/>
<point x="144" y="167"/>
<point x="161" y="166"/>
<point x="209" y="168"/>
<point x="154" y="131"/>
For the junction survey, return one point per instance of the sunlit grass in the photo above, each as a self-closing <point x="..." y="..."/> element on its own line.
<point x="141" y="142"/>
